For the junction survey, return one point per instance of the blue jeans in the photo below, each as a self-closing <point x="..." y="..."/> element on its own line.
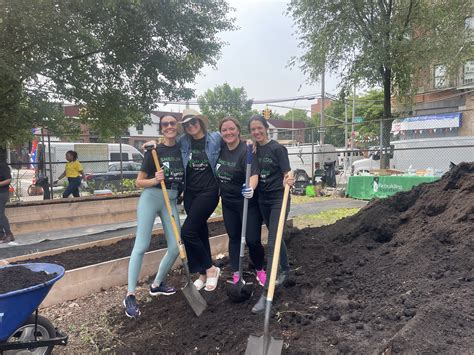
<point x="72" y="187"/>
<point x="150" y="204"/>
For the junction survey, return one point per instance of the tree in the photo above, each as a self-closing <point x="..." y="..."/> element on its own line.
<point x="117" y="58"/>
<point x="225" y="101"/>
<point x="384" y="43"/>
<point x="296" y="114"/>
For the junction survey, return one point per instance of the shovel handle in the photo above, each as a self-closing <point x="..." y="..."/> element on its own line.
<point x="276" y="249"/>
<point x="182" y="251"/>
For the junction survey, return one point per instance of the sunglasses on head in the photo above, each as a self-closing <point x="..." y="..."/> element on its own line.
<point x="169" y="123"/>
<point x="193" y="121"/>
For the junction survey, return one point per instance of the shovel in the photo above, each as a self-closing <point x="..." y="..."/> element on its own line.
<point x="242" y="291"/>
<point x="266" y="344"/>
<point x="192" y="295"/>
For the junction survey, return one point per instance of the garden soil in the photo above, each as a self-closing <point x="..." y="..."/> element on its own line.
<point x="396" y="277"/>
<point x="19" y="277"/>
<point x="76" y="258"/>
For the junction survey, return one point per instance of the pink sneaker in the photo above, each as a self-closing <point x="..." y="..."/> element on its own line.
<point x="261" y="277"/>
<point x="235" y="277"/>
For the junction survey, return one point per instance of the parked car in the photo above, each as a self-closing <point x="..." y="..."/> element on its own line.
<point x="110" y="180"/>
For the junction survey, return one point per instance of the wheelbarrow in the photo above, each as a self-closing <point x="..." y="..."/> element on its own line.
<point x="21" y="328"/>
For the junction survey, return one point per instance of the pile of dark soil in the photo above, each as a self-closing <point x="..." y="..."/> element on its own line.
<point x="76" y="258"/>
<point x="19" y="277"/>
<point x="397" y="276"/>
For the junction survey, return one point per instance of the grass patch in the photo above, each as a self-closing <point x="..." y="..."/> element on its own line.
<point x="323" y="218"/>
<point x="298" y="200"/>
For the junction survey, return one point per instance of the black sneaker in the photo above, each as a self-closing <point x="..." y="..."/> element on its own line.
<point x="163" y="289"/>
<point x="131" y="306"/>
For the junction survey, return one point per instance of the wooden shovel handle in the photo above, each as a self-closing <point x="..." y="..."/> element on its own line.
<point x="182" y="251"/>
<point x="276" y="249"/>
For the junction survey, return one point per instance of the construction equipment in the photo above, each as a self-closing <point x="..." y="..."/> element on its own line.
<point x="266" y="344"/>
<point x="242" y="291"/>
<point x="192" y="295"/>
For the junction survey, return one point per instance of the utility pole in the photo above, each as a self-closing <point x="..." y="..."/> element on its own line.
<point x="322" y="127"/>
<point x="345" y="136"/>
<point x="353" y="118"/>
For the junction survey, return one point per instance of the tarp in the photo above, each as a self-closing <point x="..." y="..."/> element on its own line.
<point x="438" y="121"/>
<point x="368" y="187"/>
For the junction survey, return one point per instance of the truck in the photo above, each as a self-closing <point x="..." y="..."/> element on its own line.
<point x="94" y="157"/>
<point x="300" y="157"/>
<point x="421" y="154"/>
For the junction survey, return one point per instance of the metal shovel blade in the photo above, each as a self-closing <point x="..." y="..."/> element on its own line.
<point x="194" y="298"/>
<point x="262" y="345"/>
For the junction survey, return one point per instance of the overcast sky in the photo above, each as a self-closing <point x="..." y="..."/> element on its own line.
<point x="257" y="57"/>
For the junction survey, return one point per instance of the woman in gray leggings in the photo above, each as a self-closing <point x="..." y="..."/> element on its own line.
<point x="152" y="203"/>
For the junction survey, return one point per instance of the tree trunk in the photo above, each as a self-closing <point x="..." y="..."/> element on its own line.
<point x="387" y="121"/>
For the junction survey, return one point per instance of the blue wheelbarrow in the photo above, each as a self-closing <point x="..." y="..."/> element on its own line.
<point x="22" y="330"/>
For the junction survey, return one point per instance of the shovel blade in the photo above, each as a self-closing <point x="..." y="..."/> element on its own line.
<point x="260" y="345"/>
<point x="194" y="298"/>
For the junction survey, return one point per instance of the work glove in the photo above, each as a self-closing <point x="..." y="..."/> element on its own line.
<point x="247" y="192"/>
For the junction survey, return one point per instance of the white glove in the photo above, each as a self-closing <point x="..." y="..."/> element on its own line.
<point x="247" y="192"/>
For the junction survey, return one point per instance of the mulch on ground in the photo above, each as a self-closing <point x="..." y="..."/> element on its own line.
<point x="397" y="276"/>
<point x="19" y="277"/>
<point x="76" y="258"/>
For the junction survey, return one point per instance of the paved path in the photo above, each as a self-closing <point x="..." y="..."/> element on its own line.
<point x="58" y="239"/>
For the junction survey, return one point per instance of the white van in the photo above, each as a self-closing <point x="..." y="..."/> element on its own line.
<point x="345" y="155"/>
<point x="300" y="156"/>
<point x="94" y="157"/>
<point x="420" y="154"/>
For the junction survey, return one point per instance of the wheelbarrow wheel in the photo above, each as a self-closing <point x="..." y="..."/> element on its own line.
<point x="45" y="330"/>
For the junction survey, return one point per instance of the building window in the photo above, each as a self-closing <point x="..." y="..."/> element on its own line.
<point x="468" y="72"/>
<point x="440" y="76"/>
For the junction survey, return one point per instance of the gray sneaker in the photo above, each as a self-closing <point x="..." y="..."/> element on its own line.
<point x="260" y="305"/>
<point x="7" y="238"/>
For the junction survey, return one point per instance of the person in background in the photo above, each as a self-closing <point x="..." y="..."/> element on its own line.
<point x="74" y="173"/>
<point x="152" y="203"/>
<point x="230" y="172"/>
<point x="6" y="234"/>
<point x="274" y="167"/>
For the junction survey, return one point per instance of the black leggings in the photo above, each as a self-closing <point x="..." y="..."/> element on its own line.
<point x="270" y="207"/>
<point x="195" y="233"/>
<point x="232" y="213"/>
<point x="4" y="224"/>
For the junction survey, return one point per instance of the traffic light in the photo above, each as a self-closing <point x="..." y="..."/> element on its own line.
<point x="267" y="113"/>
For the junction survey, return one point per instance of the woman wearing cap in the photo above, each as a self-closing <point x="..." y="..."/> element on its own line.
<point x="274" y="174"/>
<point x="230" y="171"/>
<point x="200" y="151"/>
<point x="152" y="203"/>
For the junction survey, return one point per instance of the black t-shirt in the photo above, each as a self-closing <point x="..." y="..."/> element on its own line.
<point x="273" y="162"/>
<point x="4" y="175"/>
<point x="199" y="175"/>
<point x="171" y="163"/>
<point x="230" y="171"/>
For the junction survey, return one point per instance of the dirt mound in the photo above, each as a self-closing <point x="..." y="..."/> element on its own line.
<point x="20" y="277"/>
<point x="398" y="275"/>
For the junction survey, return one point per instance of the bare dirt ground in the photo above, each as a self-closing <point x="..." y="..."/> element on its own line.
<point x="398" y="276"/>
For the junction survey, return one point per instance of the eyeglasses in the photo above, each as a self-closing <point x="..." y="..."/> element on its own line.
<point x="193" y="121"/>
<point x="168" y="124"/>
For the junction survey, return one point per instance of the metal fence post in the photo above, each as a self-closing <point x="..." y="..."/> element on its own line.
<point x="380" y="145"/>
<point x="312" y="153"/>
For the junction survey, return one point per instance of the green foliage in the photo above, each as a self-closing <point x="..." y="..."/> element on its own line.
<point x="116" y="58"/>
<point x="225" y="101"/>
<point x="129" y="185"/>
<point x="296" y="114"/>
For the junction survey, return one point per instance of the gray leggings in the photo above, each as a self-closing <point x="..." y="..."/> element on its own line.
<point x="150" y="204"/>
<point x="4" y="224"/>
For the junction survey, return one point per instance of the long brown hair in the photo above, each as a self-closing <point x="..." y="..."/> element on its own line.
<point x="230" y="119"/>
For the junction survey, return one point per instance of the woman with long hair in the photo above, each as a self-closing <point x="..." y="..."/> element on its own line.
<point x="230" y="172"/>
<point x="150" y="204"/>
<point x="274" y="167"/>
<point x="200" y="151"/>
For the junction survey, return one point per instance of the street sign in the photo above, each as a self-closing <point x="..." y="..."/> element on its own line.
<point x="358" y="119"/>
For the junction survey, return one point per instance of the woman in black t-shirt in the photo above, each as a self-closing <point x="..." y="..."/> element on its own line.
<point x="274" y="167"/>
<point x="6" y="235"/>
<point x="152" y="203"/>
<point x="230" y="172"/>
